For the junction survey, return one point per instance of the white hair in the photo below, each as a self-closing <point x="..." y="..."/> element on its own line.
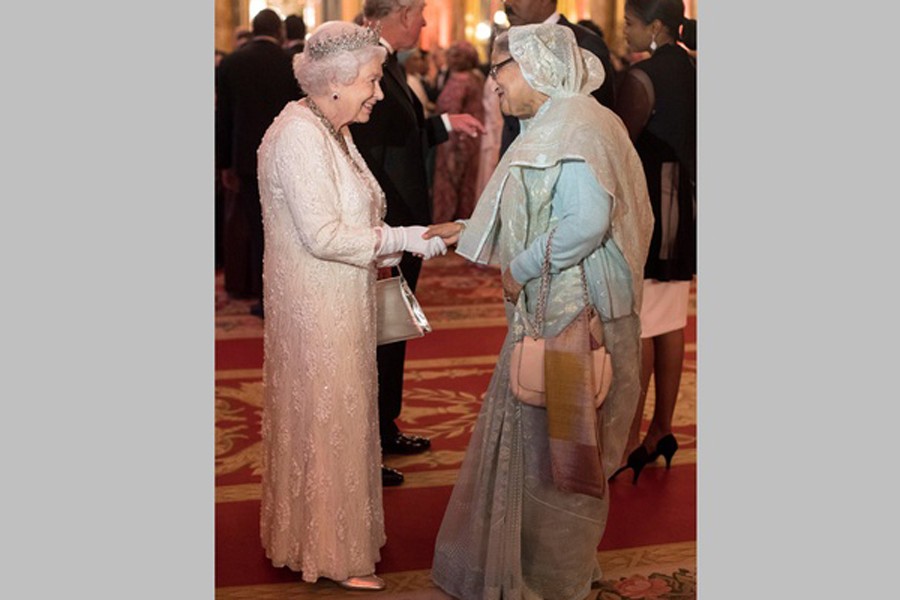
<point x="317" y="75"/>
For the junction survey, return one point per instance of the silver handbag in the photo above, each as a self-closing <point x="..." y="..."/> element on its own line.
<point x="399" y="315"/>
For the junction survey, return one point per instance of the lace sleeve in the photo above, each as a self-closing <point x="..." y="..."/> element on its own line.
<point x="306" y="169"/>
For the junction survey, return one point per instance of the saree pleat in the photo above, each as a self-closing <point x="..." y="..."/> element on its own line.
<point x="508" y="531"/>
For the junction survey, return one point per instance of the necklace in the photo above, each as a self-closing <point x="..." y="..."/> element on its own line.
<point x="373" y="186"/>
<point x="314" y="108"/>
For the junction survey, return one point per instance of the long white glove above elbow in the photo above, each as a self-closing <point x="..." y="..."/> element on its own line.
<point x="397" y="239"/>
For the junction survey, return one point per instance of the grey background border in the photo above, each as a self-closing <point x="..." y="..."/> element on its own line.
<point x="106" y="243"/>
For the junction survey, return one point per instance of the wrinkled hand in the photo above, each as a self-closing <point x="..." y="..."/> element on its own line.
<point x="467" y="124"/>
<point x="449" y="232"/>
<point x="511" y="287"/>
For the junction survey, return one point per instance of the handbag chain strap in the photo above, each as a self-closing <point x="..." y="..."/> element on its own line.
<point x="538" y="326"/>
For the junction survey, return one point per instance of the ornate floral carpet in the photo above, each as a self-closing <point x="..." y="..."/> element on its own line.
<point x="648" y="550"/>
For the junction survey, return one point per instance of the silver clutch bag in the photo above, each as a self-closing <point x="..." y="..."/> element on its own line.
<point x="399" y="315"/>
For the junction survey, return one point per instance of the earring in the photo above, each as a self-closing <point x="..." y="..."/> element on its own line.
<point x="653" y="44"/>
<point x="335" y="96"/>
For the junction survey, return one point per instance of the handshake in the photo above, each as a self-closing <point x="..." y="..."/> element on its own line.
<point x="396" y="240"/>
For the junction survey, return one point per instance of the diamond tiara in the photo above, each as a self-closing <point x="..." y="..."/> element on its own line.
<point x="346" y="41"/>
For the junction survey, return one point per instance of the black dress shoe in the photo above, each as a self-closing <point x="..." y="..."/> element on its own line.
<point x="405" y="444"/>
<point x="390" y="477"/>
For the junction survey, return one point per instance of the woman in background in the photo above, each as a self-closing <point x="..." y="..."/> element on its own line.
<point x="415" y="66"/>
<point x="456" y="162"/>
<point x="658" y="104"/>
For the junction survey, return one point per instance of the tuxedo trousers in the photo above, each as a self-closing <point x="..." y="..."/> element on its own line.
<point x="390" y="359"/>
<point x="242" y="237"/>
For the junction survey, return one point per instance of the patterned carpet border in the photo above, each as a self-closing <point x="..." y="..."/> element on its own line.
<point x="444" y="383"/>
<point x="664" y="572"/>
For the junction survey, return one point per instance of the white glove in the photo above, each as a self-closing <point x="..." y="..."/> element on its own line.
<point x="435" y="246"/>
<point x="388" y="260"/>
<point x="397" y="239"/>
<point x="393" y="240"/>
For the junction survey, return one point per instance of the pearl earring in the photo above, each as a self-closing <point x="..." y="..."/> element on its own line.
<point x="653" y="44"/>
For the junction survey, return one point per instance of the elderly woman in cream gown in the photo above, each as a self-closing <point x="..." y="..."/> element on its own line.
<point x="321" y="510"/>
<point x="517" y="526"/>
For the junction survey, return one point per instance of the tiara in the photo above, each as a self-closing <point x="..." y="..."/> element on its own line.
<point x="346" y="41"/>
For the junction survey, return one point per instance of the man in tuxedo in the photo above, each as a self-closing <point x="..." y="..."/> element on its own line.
<point x="394" y="143"/>
<point x="295" y="32"/>
<point x="528" y="12"/>
<point x="253" y="84"/>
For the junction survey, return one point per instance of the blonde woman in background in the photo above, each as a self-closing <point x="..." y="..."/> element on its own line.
<point x="415" y="66"/>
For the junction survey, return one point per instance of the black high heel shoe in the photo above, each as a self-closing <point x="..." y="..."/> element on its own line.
<point x="639" y="458"/>
<point x="665" y="447"/>
<point x="636" y="461"/>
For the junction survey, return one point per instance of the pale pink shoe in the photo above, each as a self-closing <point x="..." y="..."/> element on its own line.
<point x="367" y="582"/>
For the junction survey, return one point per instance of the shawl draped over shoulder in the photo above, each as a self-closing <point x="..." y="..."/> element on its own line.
<point x="570" y="125"/>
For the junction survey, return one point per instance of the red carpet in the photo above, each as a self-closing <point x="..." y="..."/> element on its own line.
<point x="447" y="371"/>
<point x="639" y="516"/>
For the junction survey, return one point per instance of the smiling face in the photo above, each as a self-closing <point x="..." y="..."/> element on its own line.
<point x="358" y="99"/>
<point x="517" y="98"/>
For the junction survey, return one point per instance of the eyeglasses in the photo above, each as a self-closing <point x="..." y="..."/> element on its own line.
<point x="492" y="71"/>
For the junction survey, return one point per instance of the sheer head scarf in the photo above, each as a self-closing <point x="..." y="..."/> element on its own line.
<point x="551" y="61"/>
<point x="570" y="125"/>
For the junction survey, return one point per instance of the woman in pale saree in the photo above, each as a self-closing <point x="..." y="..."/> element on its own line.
<point x="529" y="507"/>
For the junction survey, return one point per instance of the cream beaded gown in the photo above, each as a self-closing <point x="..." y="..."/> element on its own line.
<point x="321" y="485"/>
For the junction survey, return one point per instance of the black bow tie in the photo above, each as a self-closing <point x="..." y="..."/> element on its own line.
<point x="394" y="66"/>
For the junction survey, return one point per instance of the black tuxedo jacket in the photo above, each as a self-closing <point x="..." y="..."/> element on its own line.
<point x="587" y="39"/>
<point x="394" y="143"/>
<point x="253" y="84"/>
<point x="295" y="48"/>
<point x="605" y="94"/>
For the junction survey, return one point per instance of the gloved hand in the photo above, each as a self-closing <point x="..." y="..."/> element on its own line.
<point x="435" y="246"/>
<point x="388" y="260"/>
<point x="397" y="239"/>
